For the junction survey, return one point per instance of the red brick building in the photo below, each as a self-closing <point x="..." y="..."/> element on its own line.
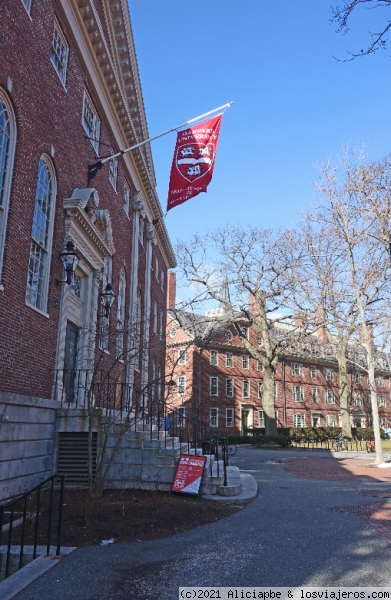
<point x="230" y="395"/>
<point x="68" y="69"/>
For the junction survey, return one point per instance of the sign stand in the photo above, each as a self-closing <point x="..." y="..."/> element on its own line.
<point x="188" y="475"/>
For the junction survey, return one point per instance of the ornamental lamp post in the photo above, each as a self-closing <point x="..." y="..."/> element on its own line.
<point x="107" y="297"/>
<point x="70" y="260"/>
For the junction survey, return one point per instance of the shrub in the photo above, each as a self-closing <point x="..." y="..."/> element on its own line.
<point x="282" y="440"/>
<point x="363" y="433"/>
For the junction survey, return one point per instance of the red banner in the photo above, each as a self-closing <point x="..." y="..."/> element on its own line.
<point x="189" y="474"/>
<point x="193" y="163"/>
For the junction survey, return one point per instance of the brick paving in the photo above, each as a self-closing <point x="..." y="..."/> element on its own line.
<point x="379" y="518"/>
<point x="336" y="469"/>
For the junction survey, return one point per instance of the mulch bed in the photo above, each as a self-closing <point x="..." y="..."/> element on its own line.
<point x="125" y="515"/>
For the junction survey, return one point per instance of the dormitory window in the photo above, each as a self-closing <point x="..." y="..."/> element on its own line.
<point x="113" y="172"/>
<point x="245" y="362"/>
<point x="181" y="357"/>
<point x="213" y="386"/>
<point x="328" y="374"/>
<point x="329" y="397"/>
<point x="261" y="417"/>
<point x="297" y="369"/>
<point x="297" y="393"/>
<point x="381" y="400"/>
<point x="380" y="381"/>
<point x="244" y="331"/>
<point x="246" y="389"/>
<point x="214" y="358"/>
<point x="229" y="359"/>
<point x="7" y="151"/>
<point x="59" y="53"/>
<point x="299" y="420"/>
<point x="229" y="387"/>
<point x="357" y="397"/>
<point x="91" y="122"/>
<point x="214" y="417"/>
<point x="40" y="250"/>
<point x="181" y="385"/>
<point x="229" y="412"/>
<point x="313" y="372"/>
<point x="126" y="198"/>
<point x="383" y="423"/>
<point x="259" y="365"/>
<point x="315" y="395"/>
<point x="331" y="421"/>
<point x="180" y="416"/>
<point x="356" y="378"/>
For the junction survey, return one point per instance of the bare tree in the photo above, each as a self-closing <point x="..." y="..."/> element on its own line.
<point x="342" y="16"/>
<point x="251" y="260"/>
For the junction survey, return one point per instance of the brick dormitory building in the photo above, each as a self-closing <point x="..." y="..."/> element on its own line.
<point x="307" y="379"/>
<point x="68" y="69"/>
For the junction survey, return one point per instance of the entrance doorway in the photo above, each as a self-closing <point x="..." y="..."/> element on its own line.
<point x="70" y="361"/>
<point x="315" y="420"/>
<point x="247" y="418"/>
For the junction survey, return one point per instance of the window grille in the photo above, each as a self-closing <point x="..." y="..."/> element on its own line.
<point x="261" y="418"/>
<point x="113" y="172"/>
<point x="229" y="359"/>
<point x="246" y="389"/>
<point x="245" y="361"/>
<point x="297" y="369"/>
<point x="299" y="420"/>
<point x="181" y="385"/>
<point x="59" y="53"/>
<point x="329" y="397"/>
<point x="229" y="387"/>
<point x="331" y="421"/>
<point x="259" y="365"/>
<point x="126" y="198"/>
<point x="38" y="273"/>
<point x="182" y="357"/>
<point x="314" y="394"/>
<point x="228" y="335"/>
<point x="229" y="417"/>
<point x="313" y="372"/>
<point x="214" y="358"/>
<point x="357" y="399"/>
<point x="298" y="393"/>
<point x="214" y="417"/>
<point x="213" y="386"/>
<point x="180" y="416"/>
<point x="91" y="122"/>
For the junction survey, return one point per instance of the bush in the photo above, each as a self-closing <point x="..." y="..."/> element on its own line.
<point x="363" y="433"/>
<point x="282" y="440"/>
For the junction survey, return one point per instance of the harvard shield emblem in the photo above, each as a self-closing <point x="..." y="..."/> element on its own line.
<point x="194" y="160"/>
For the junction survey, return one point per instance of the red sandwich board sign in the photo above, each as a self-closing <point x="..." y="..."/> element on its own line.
<point x="189" y="474"/>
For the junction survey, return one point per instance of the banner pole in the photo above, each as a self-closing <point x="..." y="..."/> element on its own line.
<point x="93" y="169"/>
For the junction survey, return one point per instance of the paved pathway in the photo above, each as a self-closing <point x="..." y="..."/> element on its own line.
<point x="286" y="537"/>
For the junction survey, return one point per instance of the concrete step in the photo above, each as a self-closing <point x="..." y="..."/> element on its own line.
<point x="234" y="484"/>
<point x="162" y="442"/>
<point x="174" y="450"/>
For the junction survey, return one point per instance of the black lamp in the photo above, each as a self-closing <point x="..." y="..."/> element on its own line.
<point x="108" y="298"/>
<point x="70" y="260"/>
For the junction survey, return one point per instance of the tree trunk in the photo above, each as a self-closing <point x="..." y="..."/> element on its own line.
<point x="375" y="413"/>
<point x="268" y="398"/>
<point x="344" y="397"/>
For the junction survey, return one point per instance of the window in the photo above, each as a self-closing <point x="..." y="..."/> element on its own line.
<point x="121" y="314"/>
<point x="137" y="332"/>
<point x="244" y="331"/>
<point x="162" y="281"/>
<point x="214" y="358"/>
<point x="229" y="387"/>
<point x="141" y="232"/>
<point x="381" y="400"/>
<point x="261" y="418"/>
<point x="213" y="386"/>
<point x="180" y="416"/>
<point x="229" y="417"/>
<point x="59" y="53"/>
<point x="105" y="321"/>
<point x="298" y="393"/>
<point x="380" y="381"/>
<point x="316" y="420"/>
<point x="328" y="374"/>
<point x="313" y="372"/>
<point x="181" y="385"/>
<point x="313" y="352"/>
<point x="27" y="5"/>
<point x="157" y="269"/>
<point x="155" y="317"/>
<point x="7" y="151"/>
<point x="41" y="243"/>
<point x="357" y="398"/>
<point x="113" y="172"/>
<point x="91" y="122"/>
<point x="329" y="397"/>
<point x="314" y="394"/>
<point x="245" y="361"/>
<point x="260" y="384"/>
<point x="181" y="357"/>
<point x="172" y="332"/>
<point x="229" y="359"/>
<point x="214" y="417"/>
<point x="298" y="420"/>
<point x="383" y="423"/>
<point x="259" y="341"/>
<point x="246" y="389"/>
<point x="75" y="286"/>
<point x="161" y="325"/>
<point x="297" y="370"/>
<point x="126" y="198"/>
<point x="259" y="366"/>
<point x="228" y="335"/>
<point x="159" y="385"/>
<point x="356" y="377"/>
<point x="331" y="421"/>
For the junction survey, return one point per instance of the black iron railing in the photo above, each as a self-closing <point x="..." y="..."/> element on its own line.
<point x="35" y="513"/>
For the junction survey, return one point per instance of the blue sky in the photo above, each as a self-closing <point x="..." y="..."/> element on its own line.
<point x="294" y="104"/>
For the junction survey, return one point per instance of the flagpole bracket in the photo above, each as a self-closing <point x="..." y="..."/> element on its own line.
<point x="93" y="170"/>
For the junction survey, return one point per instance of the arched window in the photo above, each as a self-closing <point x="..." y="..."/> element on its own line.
<point x="121" y="313"/>
<point x="42" y="232"/>
<point x="7" y="152"/>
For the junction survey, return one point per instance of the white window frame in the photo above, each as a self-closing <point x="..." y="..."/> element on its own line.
<point x="317" y="415"/>
<point x="383" y="422"/>
<point x="244" y="395"/>
<point x="301" y="419"/>
<point x="62" y="75"/>
<point x="356" y="377"/>
<point x="181" y="357"/>
<point x="358" y="399"/>
<point x="126" y="198"/>
<point x="113" y="172"/>
<point x="381" y="401"/>
<point x="329" y="393"/>
<point x="95" y="133"/>
<point x="297" y="369"/>
<point x="314" y="395"/>
<point x="261" y="418"/>
<point x="181" y="385"/>
<point x="48" y="250"/>
<point x="297" y="393"/>
<point x="229" y="358"/>
<point x="328" y="374"/>
<point x="380" y="381"/>
<point x="259" y="386"/>
<point x="245" y="361"/>
<point x="245" y="331"/>
<point x="313" y="372"/>
<point x="227" y="386"/>
<point x="260" y="366"/>
<point x="214" y="417"/>
<point x="9" y="165"/>
<point x="213" y="386"/>
<point x="214" y="358"/>
<point x="332" y="418"/>
<point x="229" y="420"/>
